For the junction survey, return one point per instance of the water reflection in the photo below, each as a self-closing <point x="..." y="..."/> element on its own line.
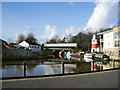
<point x="101" y="65"/>
<point x="82" y="67"/>
<point x="42" y="70"/>
<point x="40" y="67"/>
<point x="11" y="70"/>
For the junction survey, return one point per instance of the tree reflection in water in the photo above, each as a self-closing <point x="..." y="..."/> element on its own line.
<point x="82" y="67"/>
<point x="30" y="68"/>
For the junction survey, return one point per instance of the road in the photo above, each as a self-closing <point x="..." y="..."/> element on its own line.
<point x="105" y="79"/>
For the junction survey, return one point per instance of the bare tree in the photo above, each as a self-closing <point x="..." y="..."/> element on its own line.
<point x="20" y="38"/>
<point x="31" y="38"/>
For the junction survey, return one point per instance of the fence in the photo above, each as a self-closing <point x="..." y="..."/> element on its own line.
<point x="16" y="52"/>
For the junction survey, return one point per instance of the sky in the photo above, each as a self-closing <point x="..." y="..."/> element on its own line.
<point x="48" y="19"/>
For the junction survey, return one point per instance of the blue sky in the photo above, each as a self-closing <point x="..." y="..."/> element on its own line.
<point x="44" y="18"/>
<point x="38" y="14"/>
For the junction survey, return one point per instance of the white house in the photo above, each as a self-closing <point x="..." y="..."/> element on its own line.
<point x="34" y="47"/>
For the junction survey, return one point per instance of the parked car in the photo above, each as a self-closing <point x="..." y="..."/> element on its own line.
<point x="88" y="57"/>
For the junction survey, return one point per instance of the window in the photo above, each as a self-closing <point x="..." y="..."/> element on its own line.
<point x="117" y="35"/>
<point x="117" y="43"/>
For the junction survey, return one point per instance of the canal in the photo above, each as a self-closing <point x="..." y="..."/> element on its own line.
<point x="41" y="67"/>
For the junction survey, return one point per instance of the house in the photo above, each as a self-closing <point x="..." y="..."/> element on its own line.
<point x="12" y="49"/>
<point x="110" y="42"/>
<point x="4" y="44"/>
<point x="14" y="45"/>
<point x="34" y="47"/>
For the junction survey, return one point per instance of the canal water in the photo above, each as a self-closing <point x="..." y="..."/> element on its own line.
<point x="42" y="67"/>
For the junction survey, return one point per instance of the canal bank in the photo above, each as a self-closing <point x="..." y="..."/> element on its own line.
<point x="105" y="79"/>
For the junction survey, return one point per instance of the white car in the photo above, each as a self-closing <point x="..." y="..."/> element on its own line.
<point x="88" y="57"/>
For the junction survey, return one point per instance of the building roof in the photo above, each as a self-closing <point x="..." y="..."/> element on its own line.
<point x="2" y="41"/>
<point x="116" y="26"/>
<point x="107" y="30"/>
<point x="13" y="44"/>
<point x="100" y="33"/>
<point x="33" y="43"/>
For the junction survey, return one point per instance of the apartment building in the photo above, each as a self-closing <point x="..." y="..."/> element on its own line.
<point x="110" y="42"/>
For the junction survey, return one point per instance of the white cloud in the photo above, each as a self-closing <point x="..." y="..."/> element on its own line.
<point x="72" y="30"/>
<point x="26" y="27"/>
<point x="50" y="32"/>
<point x="103" y="14"/>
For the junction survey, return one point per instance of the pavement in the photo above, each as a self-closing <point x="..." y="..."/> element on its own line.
<point x="104" y="79"/>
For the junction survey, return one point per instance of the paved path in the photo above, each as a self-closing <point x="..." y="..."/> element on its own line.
<point x="106" y="79"/>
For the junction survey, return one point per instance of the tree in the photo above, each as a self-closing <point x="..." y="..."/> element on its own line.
<point x="20" y="38"/>
<point x="31" y="38"/>
<point x="67" y="38"/>
<point x="52" y="40"/>
<point x="83" y="40"/>
<point x="55" y="39"/>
